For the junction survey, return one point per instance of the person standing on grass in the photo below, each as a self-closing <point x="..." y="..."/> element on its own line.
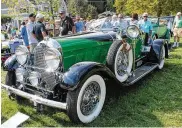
<point x="177" y="29"/>
<point x="114" y="21"/>
<point x="24" y="34"/>
<point x="9" y="28"/>
<point x="134" y="20"/>
<point x="122" y="23"/>
<point x="39" y="30"/>
<point x="79" y="25"/>
<point x="146" y="26"/>
<point x="67" y="24"/>
<point x="31" y="39"/>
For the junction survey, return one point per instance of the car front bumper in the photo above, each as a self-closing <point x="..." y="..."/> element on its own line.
<point x="35" y="98"/>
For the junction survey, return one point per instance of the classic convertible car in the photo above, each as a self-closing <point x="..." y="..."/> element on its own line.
<point x="71" y="72"/>
<point x="161" y="28"/>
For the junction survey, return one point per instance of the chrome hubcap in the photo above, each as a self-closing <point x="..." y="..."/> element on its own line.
<point x="90" y="98"/>
<point x="122" y="63"/>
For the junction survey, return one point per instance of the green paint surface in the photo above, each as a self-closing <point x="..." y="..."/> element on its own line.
<point x="79" y="50"/>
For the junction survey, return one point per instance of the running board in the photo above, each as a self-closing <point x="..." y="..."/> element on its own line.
<point x="140" y="73"/>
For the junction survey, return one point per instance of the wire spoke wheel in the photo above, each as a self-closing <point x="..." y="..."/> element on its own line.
<point x="122" y="63"/>
<point x="90" y="98"/>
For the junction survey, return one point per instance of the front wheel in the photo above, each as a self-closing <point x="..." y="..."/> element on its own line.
<point x="85" y="103"/>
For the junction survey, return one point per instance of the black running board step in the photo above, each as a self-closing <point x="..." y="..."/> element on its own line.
<point x="140" y="73"/>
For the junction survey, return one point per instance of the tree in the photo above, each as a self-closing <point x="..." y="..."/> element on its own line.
<point x="153" y="7"/>
<point x="5" y="19"/>
<point x="16" y="6"/>
<point x="110" y="5"/>
<point x="82" y="8"/>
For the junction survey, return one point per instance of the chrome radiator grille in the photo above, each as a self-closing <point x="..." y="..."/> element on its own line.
<point x="39" y="62"/>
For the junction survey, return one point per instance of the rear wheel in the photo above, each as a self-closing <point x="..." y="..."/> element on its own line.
<point x="162" y="58"/>
<point x="86" y="102"/>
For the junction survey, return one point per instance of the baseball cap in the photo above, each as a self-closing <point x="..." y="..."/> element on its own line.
<point x="39" y="16"/>
<point x="145" y="14"/>
<point x="61" y="11"/>
<point x="179" y="13"/>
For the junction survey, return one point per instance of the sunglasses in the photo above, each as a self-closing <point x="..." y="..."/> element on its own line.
<point x="145" y="16"/>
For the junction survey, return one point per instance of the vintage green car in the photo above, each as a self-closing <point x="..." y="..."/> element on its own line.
<point x="162" y="28"/>
<point x="71" y="72"/>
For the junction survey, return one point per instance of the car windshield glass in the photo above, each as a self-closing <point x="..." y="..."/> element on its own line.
<point x="99" y="24"/>
<point x="153" y="20"/>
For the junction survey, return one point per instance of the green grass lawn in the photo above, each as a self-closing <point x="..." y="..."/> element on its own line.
<point x="154" y="101"/>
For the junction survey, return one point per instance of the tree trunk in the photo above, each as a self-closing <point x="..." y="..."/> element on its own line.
<point x="159" y="9"/>
<point x="52" y="13"/>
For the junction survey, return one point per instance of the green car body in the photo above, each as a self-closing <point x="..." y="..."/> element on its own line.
<point x="78" y="49"/>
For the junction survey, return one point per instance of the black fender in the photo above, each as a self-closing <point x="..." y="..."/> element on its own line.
<point x="156" y="50"/>
<point x="11" y="64"/>
<point x="166" y="45"/>
<point x="77" y="72"/>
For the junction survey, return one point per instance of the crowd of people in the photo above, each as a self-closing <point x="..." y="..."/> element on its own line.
<point x="33" y="29"/>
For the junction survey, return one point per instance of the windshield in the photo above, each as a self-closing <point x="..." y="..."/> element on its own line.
<point x="99" y="25"/>
<point x="153" y="20"/>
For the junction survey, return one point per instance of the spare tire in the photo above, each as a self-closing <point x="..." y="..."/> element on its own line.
<point x="120" y="59"/>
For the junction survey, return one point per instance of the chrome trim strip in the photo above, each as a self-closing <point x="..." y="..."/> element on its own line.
<point x="35" y="98"/>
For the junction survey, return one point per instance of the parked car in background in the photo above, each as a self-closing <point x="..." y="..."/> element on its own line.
<point x="162" y="28"/>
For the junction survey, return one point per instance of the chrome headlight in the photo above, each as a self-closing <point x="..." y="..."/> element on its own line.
<point x="34" y="78"/>
<point x="133" y="31"/>
<point x="20" y="72"/>
<point x="21" y="54"/>
<point x="53" y="58"/>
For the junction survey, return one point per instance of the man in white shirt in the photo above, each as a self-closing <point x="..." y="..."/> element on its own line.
<point x="122" y="23"/>
<point x="114" y="21"/>
<point x="32" y="40"/>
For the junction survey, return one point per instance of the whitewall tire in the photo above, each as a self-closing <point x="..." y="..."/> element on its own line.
<point x="162" y="58"/>
<point x="129" y="57"/>
<point x="120" y="59"/>
<point x="86" y="102"/>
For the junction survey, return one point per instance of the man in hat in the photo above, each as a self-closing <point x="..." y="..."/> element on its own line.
<point x="177" y="29"/>
<point x="39" y="30"/>
<point x="67" y="23"/>
<point x="146" y="26"/>
<point x="31" y="39"/>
